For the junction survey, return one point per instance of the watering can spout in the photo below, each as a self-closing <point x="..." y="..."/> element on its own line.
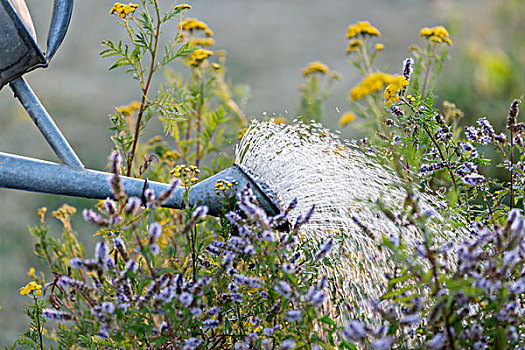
<point x="22" y="173"/>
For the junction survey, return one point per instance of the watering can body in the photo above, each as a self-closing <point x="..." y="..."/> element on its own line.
<point x="19" y="50"/>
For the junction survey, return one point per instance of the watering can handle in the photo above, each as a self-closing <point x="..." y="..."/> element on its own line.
<point x="62" y="10"/>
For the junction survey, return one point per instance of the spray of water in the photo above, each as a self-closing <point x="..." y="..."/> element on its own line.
<point x="308" y="162"/>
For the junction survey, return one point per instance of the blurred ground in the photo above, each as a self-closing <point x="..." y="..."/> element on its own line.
<point x="268" y="44"/>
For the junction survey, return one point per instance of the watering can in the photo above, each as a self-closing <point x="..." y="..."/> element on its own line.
<point x="19" y="54"/>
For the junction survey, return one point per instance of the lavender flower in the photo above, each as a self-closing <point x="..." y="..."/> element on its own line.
<point x="51" y="314"/>
<point x="293" y="315"/>
<point x="288" y="344"/>
<point x="407" y="68"/>
<point x="101" y="252"/>
<point x="474" y="179"/>
<point x="354" y="331"/>
<point x="155" y="230"/>
<point x="325" y="249"/>
<point x="438" y="341"/>
<point x="384" y="343"/>
<point x="132" y="206"/>
<point x="93" y="218"/>
<point x="191" y="344"/>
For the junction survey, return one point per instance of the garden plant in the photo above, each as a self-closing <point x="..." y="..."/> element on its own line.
<point x="179" y="279"/>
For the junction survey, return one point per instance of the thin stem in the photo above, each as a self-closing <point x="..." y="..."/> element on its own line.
<point x="366" y="60"/>
<point x="427" y="71"/>
<point x="453" y="178"/>
<point x="37" y="310"/>
<point x="145" y="91"/>
<point x="199" y="119"/>
<point x="511" y="168"/>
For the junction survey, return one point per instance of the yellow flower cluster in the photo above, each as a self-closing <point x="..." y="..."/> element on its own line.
<point x="198" y="56"/>
<point x="191" y="24"/>
<point x="354" y="45"/>
<point x="182" y="7"/>
<point x="30" y="287"/>
<point x="437" y="34"/>
<point x="346" y="118"/>
<point x="123" y="10"/>
<point x="128" y="110"/>
<point x="371" y="83"/>
<point x="315" y="67"/>
<point x="392" y="90"/>
<point x="280" y="120"/>
<point x="204" y="42"/>
<point x="187" y="174"/>
<point x="363" y="28"/>
<point x="224" y="187"/>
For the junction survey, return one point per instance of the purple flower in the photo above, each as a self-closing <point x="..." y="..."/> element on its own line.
<point x="293" y="315"/>
<point x="354" y="331"/>
<point x="325" y="249"/>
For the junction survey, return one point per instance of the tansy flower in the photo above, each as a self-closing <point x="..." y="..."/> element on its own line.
<point x="380" y="47"/>
<point x="191" y="24"/>
<point x="209" y="32"/>
<point x="346" y="118"/>
<point x="437" y="34"/>
<point x="127" y="110"/>
<point x="392" y="91"/>
<point x="353" y="45"/>
<point x="279" y="120"/>
<point x="363" y="28"/>
<point x="30" y="287"/>
<point x="204" y="42"/>
<point x="315" y="67"/>
<point x="371" y="83"/>
<point x="182" y="7"/>
<point x="198" y="56"/>
<point x="123" y="10"/>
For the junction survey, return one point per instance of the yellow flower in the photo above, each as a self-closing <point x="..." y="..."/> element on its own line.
<point x="315" y="67"/>
<point x="353" y="45"/>
<point x="191" y="24"/>
<point x="198" y="56"/>
<point x="31" y="272"/>
<point x="182" y="7"/>
<point x="41" y="214"/>
<point x="123" y="10"/>
<point x="30" y="287"/>
<point x="392" y="90"/>
<point x="204" y="42"/>
<point x="209" y="32"/>
<point x="346" y="118"/>
<point x="380" y="47"/>
<point x="128" y="110"/>
<point x="371" y="83"/>
<point x="280" y="120"/>
<point x="436" y="34"/>
<point x="363" y="28"/>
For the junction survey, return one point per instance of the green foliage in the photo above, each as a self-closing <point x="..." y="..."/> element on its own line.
<point x="173" y="279"/>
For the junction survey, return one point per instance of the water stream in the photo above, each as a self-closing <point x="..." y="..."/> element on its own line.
<point x="310" y="163"/>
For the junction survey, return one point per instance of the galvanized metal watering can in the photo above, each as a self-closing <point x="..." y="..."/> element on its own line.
<point x="19" y="54"/>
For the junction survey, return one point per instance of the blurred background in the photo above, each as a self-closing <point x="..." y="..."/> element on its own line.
<point x="268" y="44"/>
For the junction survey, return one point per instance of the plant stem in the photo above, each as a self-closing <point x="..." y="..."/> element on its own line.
<point x="453" y="178"/>
<point x="145" y="91"/>
<point x="37" y="310"/>
<point x="511" y="168"/>
<point x="199" y="119"/>
<point x="427" y="71"/>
